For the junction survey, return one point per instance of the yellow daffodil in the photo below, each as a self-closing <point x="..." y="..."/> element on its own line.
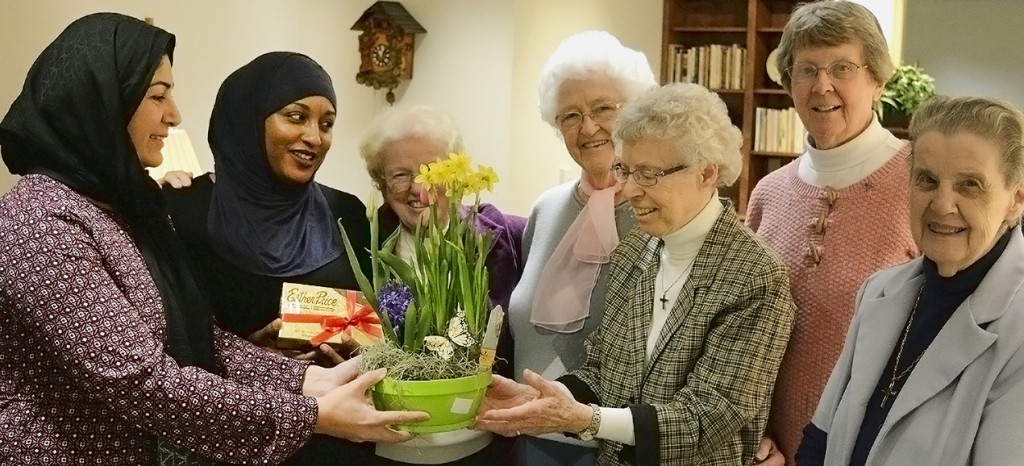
<point x="459" y="161"/>
<point x="488" y="177"/>
<point x="425" y="178"/>
<point x="474" y="183"/>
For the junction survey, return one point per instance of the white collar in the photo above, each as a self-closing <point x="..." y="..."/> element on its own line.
<point x="850" y="154"/>
<point x="684" y="243"/>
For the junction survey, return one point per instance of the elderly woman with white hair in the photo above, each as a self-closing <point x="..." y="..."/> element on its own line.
<point x="394" y="148"/>
<point x="697" y="312"/>
<point x="573" y="227"/>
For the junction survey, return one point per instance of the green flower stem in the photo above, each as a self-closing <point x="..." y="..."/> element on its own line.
<point x="364" y="285"/>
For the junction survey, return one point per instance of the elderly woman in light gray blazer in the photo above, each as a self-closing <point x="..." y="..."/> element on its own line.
<point x="933" y="367"/>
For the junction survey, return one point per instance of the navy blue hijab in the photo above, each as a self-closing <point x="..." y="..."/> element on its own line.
<point x="256" y="221"/>
<point x="70" y="123"/>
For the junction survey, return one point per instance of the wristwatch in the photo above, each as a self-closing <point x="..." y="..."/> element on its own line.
<point x="588" y="434"/>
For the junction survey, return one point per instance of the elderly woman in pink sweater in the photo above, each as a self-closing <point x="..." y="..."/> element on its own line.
<point x="839" y="212"/>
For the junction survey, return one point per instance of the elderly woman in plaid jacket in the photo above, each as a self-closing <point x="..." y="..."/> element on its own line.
<point x="698" y="315"/>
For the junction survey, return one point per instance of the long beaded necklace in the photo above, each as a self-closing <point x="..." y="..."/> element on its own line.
<point x="897" y="375"/>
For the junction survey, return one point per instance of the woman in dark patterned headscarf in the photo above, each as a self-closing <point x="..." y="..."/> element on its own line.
<point x="107" y="349"/>
<point x="261" y="220"/>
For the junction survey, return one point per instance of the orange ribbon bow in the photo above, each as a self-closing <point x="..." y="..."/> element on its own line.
<point x="364" y="320"/>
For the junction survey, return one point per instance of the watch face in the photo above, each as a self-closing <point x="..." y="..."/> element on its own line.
<point x="381" y="55"/>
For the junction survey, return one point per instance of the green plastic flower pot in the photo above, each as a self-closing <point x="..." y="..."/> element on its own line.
<point x="452" y="403"/>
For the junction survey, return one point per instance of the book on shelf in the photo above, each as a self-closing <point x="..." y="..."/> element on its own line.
<point x="715" y="66"/>
<point x="778" y="130"/>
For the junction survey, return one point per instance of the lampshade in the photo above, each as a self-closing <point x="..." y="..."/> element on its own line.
<point x="178" y="155"/>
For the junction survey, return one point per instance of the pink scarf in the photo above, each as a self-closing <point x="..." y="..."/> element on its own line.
<point x="562" y="301"/>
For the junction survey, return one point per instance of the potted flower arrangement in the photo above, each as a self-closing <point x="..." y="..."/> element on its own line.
<point x="908" y="88"/>
<point x="434" y="312"/>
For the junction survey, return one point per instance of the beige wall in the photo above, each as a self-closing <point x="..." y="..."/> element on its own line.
<point x="478" y="62"/>
<point x="970" y="48"/>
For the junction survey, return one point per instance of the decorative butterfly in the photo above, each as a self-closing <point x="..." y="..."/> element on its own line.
<point x="441" y="346"/>
<point x="458" y="330"/>
<point x="458" y="333"/>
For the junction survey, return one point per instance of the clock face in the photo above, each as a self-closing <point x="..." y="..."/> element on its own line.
<point x="382" y="56"/>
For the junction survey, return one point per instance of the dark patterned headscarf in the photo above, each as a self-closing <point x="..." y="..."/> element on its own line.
<point x="256" y="221"/>
<point x="70" y="123"/>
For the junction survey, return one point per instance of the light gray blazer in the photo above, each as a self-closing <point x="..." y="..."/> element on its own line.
<point x="964" y="402"/>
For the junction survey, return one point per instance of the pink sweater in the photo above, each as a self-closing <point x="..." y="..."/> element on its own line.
<point x="866" y="229"/>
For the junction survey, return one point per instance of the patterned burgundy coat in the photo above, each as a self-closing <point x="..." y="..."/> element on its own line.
<point x="84" y="378"/>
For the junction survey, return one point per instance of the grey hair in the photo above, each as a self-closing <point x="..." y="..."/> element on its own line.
<point x="586" y="55"/>
<point x="835" y="23"/>
<point x="398" y="124"/>
<point x="694" y="119"/>
<point x="995" y="120"/>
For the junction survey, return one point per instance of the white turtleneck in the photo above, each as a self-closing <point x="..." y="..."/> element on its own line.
<point x="851" y="162"/>
<point x="677" y="255"/>
<point x="676" y="261"/>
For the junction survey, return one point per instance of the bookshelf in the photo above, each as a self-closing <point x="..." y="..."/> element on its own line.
<point x="756" y="26"/>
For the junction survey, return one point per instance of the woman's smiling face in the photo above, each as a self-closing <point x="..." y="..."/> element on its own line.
<point x="959" y="201"/>
<point x="834" y="111"/>
<point x="590" y="144"/>
<point x="298" y="137"/>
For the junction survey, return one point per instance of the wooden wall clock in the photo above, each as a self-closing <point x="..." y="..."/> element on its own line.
<point x="386" y="46"/>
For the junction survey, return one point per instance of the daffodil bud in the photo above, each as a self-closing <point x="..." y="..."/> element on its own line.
<point x="371" y="206"/>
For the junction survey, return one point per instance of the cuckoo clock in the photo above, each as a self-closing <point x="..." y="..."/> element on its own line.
<point x="386" y="46"/>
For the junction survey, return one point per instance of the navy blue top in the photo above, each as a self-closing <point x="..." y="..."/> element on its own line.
<point x="939" y="298"/>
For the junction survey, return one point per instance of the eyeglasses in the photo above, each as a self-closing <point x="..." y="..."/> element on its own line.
<point x="600" y="113"/>
<point x="840" y="71"/>
<point x="643" y="176"/>
<point x="399" y="182"/>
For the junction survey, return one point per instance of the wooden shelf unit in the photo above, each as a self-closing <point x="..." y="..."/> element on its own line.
<point x="756" y="25"/>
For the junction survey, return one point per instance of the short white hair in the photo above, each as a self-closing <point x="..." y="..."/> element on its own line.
<point x="590" y="54"/>
<point x="396" y="124"/>
<point x="693" y="119"/>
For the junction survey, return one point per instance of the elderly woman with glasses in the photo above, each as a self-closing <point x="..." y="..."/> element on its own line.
<point x="398" y="143"/>
<point x="838" y="213"/>
<point x="573" y="227"/>
<point x="933" y="367"/>
<point x="697" y="313"/>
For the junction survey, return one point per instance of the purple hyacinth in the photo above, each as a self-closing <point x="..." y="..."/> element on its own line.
<point x="394" y="298"/>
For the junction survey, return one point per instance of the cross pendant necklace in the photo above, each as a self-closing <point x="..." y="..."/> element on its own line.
<point x="664" y="289"/>
<point x="891" y="390"/>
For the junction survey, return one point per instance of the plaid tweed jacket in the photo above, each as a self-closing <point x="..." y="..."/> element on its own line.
<point x="703" y="396"/>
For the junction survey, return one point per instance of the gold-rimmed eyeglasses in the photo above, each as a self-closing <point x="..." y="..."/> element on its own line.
<point x="840" y="71"/>
<point x="645" y="177"/>
<point x="601" y="112"/>
<point x="398" y="182"/>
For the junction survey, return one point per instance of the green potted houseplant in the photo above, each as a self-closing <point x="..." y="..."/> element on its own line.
<point x="434" y="312"/>
<point x="908" y="88"/>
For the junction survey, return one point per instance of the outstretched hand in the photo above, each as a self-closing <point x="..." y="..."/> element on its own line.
<point x="539" y="407"/>
<point x="505" y="393"/>
<point x="266" y="338"/>
<point x="176" y="179"/>
<point x="347" y="412"/>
